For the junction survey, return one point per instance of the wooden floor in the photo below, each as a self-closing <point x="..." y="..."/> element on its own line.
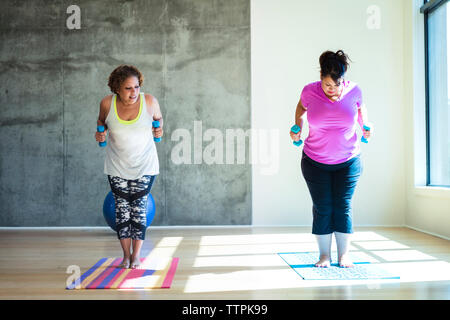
<point x="223" y="263"/>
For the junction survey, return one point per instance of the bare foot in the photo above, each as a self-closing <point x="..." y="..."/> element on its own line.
<point x="125" y="263"/>
<point x="324" y="262"/>
<point x="345" y="262"/>
<point x="135" y="263"/>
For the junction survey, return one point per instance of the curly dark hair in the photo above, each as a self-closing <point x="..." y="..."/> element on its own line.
<point x="333" y="64"/>
<point x="120" y="74"/>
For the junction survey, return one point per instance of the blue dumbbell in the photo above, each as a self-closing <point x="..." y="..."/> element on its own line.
<point x="296" y="129"/>
<point x="101" y="129"/>
<point x="362" y="138"/>
<point x="156" y="124"/>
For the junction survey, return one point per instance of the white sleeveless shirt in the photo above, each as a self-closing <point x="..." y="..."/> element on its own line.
<point x="130" y="151"/>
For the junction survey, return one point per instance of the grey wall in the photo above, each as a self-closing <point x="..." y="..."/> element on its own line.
<point x="195" y="56"/>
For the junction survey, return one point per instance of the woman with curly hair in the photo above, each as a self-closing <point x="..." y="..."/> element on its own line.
<point x="331" y="163"/>
<point x="131" y="161"/>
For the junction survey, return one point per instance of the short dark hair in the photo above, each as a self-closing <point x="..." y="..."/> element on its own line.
<point x="120" y="74"/>
<point x="333" y="64"/>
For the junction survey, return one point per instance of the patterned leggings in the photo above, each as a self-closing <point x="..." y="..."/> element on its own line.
<point x="131" y="198"/>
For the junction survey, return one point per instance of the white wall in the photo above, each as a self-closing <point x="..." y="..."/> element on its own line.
<point x="428" y="209"/>
<point x="288" y="37"/>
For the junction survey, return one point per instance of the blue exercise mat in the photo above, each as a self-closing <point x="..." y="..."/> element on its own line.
<point x="363" y="267"/>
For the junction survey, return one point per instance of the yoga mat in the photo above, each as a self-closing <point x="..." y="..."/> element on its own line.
<point x="106" y="274"/>
<point x="364" y="267"/>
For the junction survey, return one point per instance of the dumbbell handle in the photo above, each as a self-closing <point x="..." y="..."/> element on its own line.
<point x="101" y="129"/>
<point x="296" y="129"/>
<point x="367" y="128"/>
<point x="156" y="124"/>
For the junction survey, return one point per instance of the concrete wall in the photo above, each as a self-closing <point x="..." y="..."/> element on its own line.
<point x="195" y="56"/>
<point x="287" y="41"/>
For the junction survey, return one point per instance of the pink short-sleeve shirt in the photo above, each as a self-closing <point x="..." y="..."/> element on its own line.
<point x="332" y="135"/>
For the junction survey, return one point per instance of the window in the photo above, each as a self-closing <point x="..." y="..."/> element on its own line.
<point x="437" y="53"/>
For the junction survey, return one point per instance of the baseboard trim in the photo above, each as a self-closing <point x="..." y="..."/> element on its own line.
<point x="427" y="232"/>
<point x="190" y="227"/>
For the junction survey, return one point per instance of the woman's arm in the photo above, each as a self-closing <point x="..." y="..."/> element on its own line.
<point x="300" y="113"/>
<point x="363" y="117"/>
<point x="363" y="120"/>
<point x="157" y="115"/>
<point x="102" y="114"/>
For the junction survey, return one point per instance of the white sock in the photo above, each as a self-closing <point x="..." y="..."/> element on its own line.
<point x="324" y="242"/>
<point x="342" y="242"/>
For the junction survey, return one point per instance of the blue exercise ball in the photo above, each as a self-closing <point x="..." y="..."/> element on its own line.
<point x="109" y="210"/>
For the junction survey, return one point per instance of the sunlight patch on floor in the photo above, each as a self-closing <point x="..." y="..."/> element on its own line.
<point x="402" y="255"/>
<point x="380" y="245"/>
<point x="166" y="247"/>
<point x="263" y="269"/>
<point x="256" y="239"/>
<point x="220" y="250"/>
<point x="268" y="260"/>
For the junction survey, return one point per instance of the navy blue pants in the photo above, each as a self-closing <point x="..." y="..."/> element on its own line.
<point x="331" y="188"/>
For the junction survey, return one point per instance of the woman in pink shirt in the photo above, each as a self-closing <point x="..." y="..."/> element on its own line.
<point x="331" y="163"/>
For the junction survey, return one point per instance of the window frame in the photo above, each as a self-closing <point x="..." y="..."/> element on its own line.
<point x="428" y="7"/>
